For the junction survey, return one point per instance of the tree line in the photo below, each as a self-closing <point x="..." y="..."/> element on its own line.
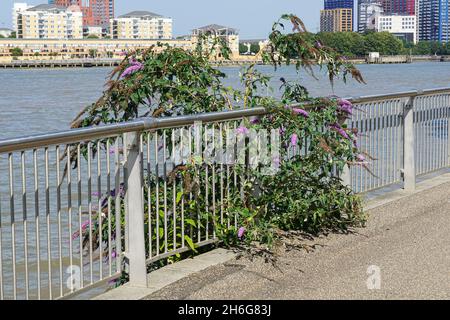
<point x="352" y="44"/>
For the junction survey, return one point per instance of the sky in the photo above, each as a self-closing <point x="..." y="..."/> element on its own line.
<point x="253" y="18"/>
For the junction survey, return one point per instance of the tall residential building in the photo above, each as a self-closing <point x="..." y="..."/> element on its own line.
<point x="141" y="25"/>
<point x="336" y="20"/>
<point x="18" y="7"/>
<point x="366" y="10"/>
<point x="434" y="23"/>
<point x="49" y="21"/>
<point x="338" y="4"/>
<point x="405" y="7"/>
<point x="95" y="12"/>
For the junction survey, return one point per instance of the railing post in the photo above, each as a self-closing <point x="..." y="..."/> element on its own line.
<point x="346" y="176"/>
<point x="135" y="212"/>
<point x="409" y="168"/>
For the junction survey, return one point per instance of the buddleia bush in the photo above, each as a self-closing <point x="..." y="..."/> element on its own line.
<point x="305" y="193"/>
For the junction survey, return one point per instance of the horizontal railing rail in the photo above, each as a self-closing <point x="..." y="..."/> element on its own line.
<point x="78" y="206"/>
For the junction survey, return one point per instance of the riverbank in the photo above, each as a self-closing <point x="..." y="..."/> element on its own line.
<point x="112" y="62"/>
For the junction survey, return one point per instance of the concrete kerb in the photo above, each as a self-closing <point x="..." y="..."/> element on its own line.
<point x="168" y="275"/>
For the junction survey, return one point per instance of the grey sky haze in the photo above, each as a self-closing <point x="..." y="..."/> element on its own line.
<point x="252" y="17"/>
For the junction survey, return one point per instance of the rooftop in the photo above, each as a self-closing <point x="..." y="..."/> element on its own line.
<point x="214" y="27"/>
<point x="141" y="14"/>
<point x="46" y="7"/>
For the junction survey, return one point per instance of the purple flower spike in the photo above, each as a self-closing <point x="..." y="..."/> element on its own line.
<point x="84" y="225"/>
<point x="345" y="106"/>
<point x="241" y="232"/>
<point x="294" y="139"/>
<point x="301" y="112"/>
<point x="340" y="130"/>
<point x="242" y="130"/>
<point x="135" y="67"/>
<point x="360" y="158"/>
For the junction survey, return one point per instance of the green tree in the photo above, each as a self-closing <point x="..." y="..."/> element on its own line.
<point x="13" y="35"/>
<point x="16" y="52"/>
<point x="383" y="42"/>
<point x="350" y="44"/>
<point x="92" y="53"/>
<point x="92" y="36"/>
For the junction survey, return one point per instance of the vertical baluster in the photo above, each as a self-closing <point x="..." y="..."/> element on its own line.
<point x="118" y="206"/>
<point x="108" y="194"/>
<point x="25" y="223"/>
<point x="214" y="161"/>
<point x="206" y="185"/>
<point x="89" y="169"/>
<point x="13" y="222"/>
<point x="69" y="207"/>
<point x="174" y="192"/>
<point x="222" y="159"/>
<point x="80" y="215"/>
<point x="182" y="187"/>
<point x="165" y="190"/>
<point x="99" y="209"/>
<point x="157" y="234"/>
<point x="48" y="221"/>
<point x="149" y="200"/>
<point x="58" y="210"/>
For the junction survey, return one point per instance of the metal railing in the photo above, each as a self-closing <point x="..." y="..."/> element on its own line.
<point x="78" y="206"/>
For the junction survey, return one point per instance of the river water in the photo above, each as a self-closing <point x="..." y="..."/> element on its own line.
<point x="36" y="101"/>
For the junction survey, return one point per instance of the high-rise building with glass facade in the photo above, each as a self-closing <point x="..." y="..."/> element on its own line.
<point x="433" y="17"/>
<point x="399" y="7"/>
<point x="338" y="4"/>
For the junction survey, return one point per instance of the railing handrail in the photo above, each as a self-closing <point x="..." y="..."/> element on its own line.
<point x="142" y="124"/>
<point x="105" y="131"/>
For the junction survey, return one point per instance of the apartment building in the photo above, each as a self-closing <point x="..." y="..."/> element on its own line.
<point x="17" y="8"/>
<point x="48" y="21"/>
<point x="141" y="25"/>
<point x="336" y="20"/>
<point x="434" y="21"/>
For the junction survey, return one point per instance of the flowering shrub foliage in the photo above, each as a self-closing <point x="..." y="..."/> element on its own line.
<point x="306" y="192"/>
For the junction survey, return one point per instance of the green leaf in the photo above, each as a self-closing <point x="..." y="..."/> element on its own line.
<point x="190" y="243"/>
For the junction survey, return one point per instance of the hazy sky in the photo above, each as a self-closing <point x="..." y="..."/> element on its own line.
<point x="252" y="17"/>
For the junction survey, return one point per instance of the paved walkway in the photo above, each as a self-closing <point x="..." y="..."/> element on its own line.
<point x="408" y="239"/>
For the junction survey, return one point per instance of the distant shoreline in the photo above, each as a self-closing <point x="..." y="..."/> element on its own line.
<point x="90" y="63"/>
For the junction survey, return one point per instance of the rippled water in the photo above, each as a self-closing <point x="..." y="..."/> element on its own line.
<point x="35" y="101"/>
